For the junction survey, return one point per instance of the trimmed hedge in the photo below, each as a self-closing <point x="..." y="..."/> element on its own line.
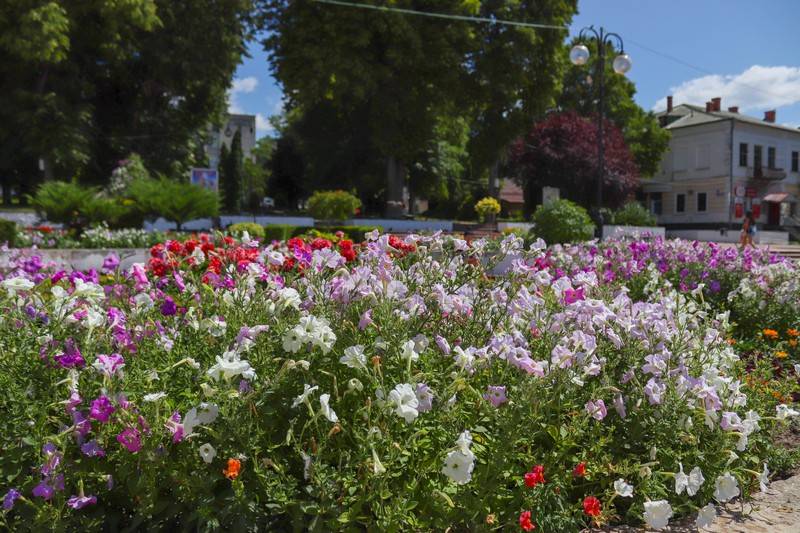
<point x="282" y="232"/>
<point x="8" y="232"/>
<point x="253" y="229"/>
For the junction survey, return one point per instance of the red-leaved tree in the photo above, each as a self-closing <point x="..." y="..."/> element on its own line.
<point x="561" y="151"/>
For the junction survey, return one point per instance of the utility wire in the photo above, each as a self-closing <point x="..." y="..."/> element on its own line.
<point x="526" y="25"/>
<point x="444" y="15"/>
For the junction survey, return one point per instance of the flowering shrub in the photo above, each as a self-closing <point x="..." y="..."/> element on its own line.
<point x="487" y="207"/>
<point x="401" y="384"/>
<point x="99" y="236"/>
<point x="333" y="205"/>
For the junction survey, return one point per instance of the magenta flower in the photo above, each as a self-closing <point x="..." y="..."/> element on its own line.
<point x="109" y="365"/>
<point x="79" y="502"/>
<point x="110" y="263"/>
<point x="101" y="409"/>
<point x="10" y="498"/>
<point x="130" y="439"/>
<point x="496" y="395"/>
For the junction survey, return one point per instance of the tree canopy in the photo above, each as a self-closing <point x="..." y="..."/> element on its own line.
<point x="85" y="82"/>
<point x="561" y="151"/>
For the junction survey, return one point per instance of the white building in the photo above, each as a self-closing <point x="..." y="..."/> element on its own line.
<point x="722" y="164"/>
<point x="245" y="124"/>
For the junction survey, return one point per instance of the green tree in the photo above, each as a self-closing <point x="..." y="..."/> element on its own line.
<point x="85" y="82"/>
<point x="645" y="138"/>
<point x="231" y="174"/>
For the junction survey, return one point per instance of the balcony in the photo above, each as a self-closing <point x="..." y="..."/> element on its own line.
<point x="764" y="173"/>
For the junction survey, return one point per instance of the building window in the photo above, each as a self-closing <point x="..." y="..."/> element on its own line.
<point x="757" y="156"/>
<point x="771" y="157"/>
<point x="680" y="203"/>
<point x="794" y="161"/>
<point x="742" y="154"/>
<point x="655" y="203"/>
<point x="702" y="202"/>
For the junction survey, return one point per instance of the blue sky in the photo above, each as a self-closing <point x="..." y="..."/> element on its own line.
<point x="745" y="51"/>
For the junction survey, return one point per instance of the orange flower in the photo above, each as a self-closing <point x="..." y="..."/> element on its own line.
<point x="731" y="341"/>
<point x="781" y="354"/>
<point x="770" y="334"/>
<point x="793" y="332"/>
<point x="793" y="343"/>
<point x="233" y="468"/>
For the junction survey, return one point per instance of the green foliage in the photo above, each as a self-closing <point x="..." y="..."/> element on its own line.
<point x="253" y="229"/>
<point x="562" y="221"/>
<point x="231" y="174"/>
<point x="175" y="201"/>
<point x="8" y="232"/>
<point x="634" y="214"/>
<point x="645" y="138"/>
<point x="278" y="232"/>
<point x="63" y="202"/>
<point x="86" y="82"/>
<point x="333" y="205"/>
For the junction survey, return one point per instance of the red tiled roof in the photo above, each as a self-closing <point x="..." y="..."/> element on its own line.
<point x="512" y="193"/>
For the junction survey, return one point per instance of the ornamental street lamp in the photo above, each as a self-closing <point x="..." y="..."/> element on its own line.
<point x="579" y="55"/>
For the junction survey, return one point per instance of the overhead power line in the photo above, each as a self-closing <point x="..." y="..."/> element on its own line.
<point x="448" y="16"/>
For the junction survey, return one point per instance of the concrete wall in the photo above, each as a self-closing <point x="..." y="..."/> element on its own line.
<point x="636" y="232"/>
<point x="709" y="235"/>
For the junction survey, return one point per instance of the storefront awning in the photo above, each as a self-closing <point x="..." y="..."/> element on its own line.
<point x="776" y="197"/>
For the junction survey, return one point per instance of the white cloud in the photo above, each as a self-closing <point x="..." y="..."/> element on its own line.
<point x="757" y="88"/>
<point x="240" y="86"/>
<point x="263" y="127"/>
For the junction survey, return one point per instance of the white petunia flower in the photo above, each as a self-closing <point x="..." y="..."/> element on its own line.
<point x="657" y="514"/>
<point x="622" y="488"/>
<point x="726" y="488"/>
<point x="230" y="365"/>
<point x="307" y="391"/>
<point x="12" y="285"/>
<point x="325" y="408"/>
<point x="207" y="452"/>
<point x="405" y="401"/>
<point x="354" y="357"/>
<point x="783" y="411"/>
<point x="681" y="480"/>
<point x="155" y="396"/>
<point x="763" y="478"/>
<point x="293" y="339"/>
<point x="458" y="466"/>
<point x="409" y="351"/>
<point x="696" y="480"/>
<point x="705" y="516"/>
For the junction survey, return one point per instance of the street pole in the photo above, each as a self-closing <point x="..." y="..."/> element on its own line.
<point x="579" y="55"/>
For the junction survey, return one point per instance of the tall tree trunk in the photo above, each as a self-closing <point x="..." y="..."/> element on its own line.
<point x="395" y="179"/>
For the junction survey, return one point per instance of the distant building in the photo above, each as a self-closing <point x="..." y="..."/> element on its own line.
<point x="721" y="164"/>
<point x="245" y="124"/>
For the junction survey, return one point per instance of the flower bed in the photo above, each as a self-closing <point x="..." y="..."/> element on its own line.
<point x="392" y="385"/>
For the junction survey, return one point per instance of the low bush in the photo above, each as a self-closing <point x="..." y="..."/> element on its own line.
<point x="8" y="232"/>
<point x="252" y="229"/>
<point x="562" y="221"/>
<point x="634" y="214"/>
<point x="333" y="205"/>
<point x="176" y="201"/>
<point x="278" y="232"/>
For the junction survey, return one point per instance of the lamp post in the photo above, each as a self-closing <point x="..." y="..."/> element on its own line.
<point x="579" y="55"/>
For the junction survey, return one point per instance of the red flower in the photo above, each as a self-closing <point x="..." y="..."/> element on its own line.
<point x="175" y="247"/>
<point x="207" y="247"/>
<point x="580" y="470"/>
<point x="157" y="250"/>
<point x="591" y="506"/>
<point x="525" y="521"/>
<point x="158" y="267"/>
<point x="320" y="243"/>
<point x="535" y="476"/>
<point x="189" y="246"/>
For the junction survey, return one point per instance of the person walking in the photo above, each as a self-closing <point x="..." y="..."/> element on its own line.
<point x="748" y="230"/>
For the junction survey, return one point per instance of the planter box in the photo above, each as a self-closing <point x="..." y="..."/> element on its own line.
<point x="712" y="235"/>
<point x="632" y="232"/>
<point x="85" y="259"/>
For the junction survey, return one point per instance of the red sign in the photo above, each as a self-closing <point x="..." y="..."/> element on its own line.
<point x="739" y="210"/>
<point x="750" y="192"/>
<point x="756" y="210"/>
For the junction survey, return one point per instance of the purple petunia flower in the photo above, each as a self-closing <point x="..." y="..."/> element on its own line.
<point x="168" y="308"/>
<point x="424" y="398"/>
<point x="92" y="449"/>
<point x="44" y="491"/>
<point x="10" y="498"/>
<point x="79" y="502"/>
<point x="130" y="439"/>
<point x="596" y="409"/>
<point x="109" y="365"/>
<point x="496" y="394"/>
<point x="102" y="409"/>
<point x="110" y="263"/>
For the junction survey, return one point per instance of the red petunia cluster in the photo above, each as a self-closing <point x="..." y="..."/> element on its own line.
<point x="525" y="521"/>
<point x="535" y="476"/>
<point x="591" y="506"/>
